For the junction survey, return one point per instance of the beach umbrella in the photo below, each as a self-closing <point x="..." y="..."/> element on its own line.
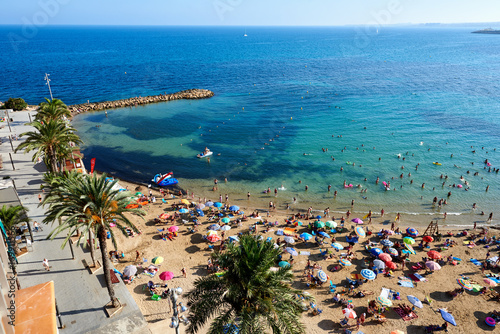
<point x="157" y="260"/>
<point x="185" y="201"/>
<point x="360" y="232"/>
<point x="410" y="249"/>
<point x="209" y="203"/>
<point x="209" y="232"/>
<point x="368" y="274"/>
<point x="408" y="240"/>
<point x="490" y="282"/>
<point x="297" y="223"/>
<point x="200" y="206"/>
<point x="337" y="246"/>
<point x="306" y="236"/>
<point x="164" y="216"/>
<point x="331" y="224"/>
<point x="213" y="238"/>
<point x="214" y="227"/>
<point x="233" y="238"/>
<point x="218" y="204"/>
<point x="376" y="251"/>
<point x="357" y="221"/>
<point x="415" y="301"/>
<point x="412" y="232"/>
<point x="318" y="217"/>
<point x="289" y="240"/>
<point x="166" y="275"/>
<point x="387" y="242"/>
<point x="324" y="234"/>
<point x="447" y="317"/>
<point x="349" y="313"/>
<point x="435" y="255"/>
<point x="322" y="276"/>
<point x="234" y="208"/>
<point x="393" y="251"/>
<point x="225" y="228"/>
<point x="225" y="220"/>
<point x="428" y="238"/>
<point x="284" y="264"/>
<point x="319" y="224"/>
<point x="183" y="210"/>
<point x="130" y="271"/>
<point x="291" y="251"/>
<point x="465" y="284"/>
<point x="378" y="264"/>
<point x="345" y="262"/>
<point x="432" y="265"/>
<point x="173" y="229"/>
<point x="383" y="301"/>
<point x="220" y="214"/>
<point x="391" y="265"/>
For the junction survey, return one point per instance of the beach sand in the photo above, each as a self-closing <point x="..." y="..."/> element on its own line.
<point x="191" y="252"/>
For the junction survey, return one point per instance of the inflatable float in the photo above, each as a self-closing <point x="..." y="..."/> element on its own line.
<point x="348" y="185"/>
<point x="165" y="180"/>
<point x="437" y="163"/>
<point x="204" y="154"/>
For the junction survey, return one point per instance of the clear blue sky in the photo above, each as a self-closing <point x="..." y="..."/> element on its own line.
<point x="246" y="12"/>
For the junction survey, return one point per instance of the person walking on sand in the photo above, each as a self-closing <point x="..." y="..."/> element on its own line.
<point x="45" y="264"/>
<point x="137" y="256"/>
<point x="183" y="271"/>
<point x="40" y="198"/>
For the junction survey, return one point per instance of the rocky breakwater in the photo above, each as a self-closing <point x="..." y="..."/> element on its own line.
<point x="190" y="94"/>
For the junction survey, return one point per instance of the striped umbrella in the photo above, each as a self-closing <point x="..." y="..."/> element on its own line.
<point x="157" y="260"/>
<point x="209" y="232"/>
<point x="393" y="251"/>
<point x="360" y="232"/>
<point x="410" y="249"/>
<point x="164" y="216"/>
<point x="368" y="274"/>
<point x="412" y="232"/>
<point x="408" y="240"/>
<point x="331" y="224"/>
<point x="213" y="238"/>
<point x="345" y="262"/>
<point x="378" y="264"/>
<point x="225" y="220"/>
<point x="465" y="284"/>
<point x="387" y="242"/>
<point x="435" y="255"/>
<point x="349" y="313"/>
<point x="383" y="301"/>
<point x="306" y="236"/>
<point x="322" y="276"/>
<point x="297" y="223"/>
<point x="338" y="246"/>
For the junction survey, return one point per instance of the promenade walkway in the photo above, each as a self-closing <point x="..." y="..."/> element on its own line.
<point x="80" y="295"/>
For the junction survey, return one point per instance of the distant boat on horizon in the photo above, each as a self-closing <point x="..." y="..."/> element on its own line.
<point x="245" y="35"/>
<point x="487" y="31"/>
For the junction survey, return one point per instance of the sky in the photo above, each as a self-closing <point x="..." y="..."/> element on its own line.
<point x="246" y="12"/>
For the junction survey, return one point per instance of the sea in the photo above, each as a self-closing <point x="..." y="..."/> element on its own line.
<point x="296" y="109"/>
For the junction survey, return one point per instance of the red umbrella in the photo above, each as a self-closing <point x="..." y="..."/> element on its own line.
<point x="390" y="265"/>
<point x="349" y="313"/>
<point x="428" y="238"/>
<point x="166" y="275"/>
<point x="434" y="255"/>
<point x="385" y="257"/>
<point x="173" y="228"/>
<point x="213" y="238"/>
<point x="164" y="216"/>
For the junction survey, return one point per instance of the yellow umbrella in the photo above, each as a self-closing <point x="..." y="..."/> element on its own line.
<point x="157" y="260"/>
<point x="185" y="201"/>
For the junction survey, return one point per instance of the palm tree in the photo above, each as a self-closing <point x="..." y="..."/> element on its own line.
<point x="50" y="138"/>
<point x="10" y="217"/>
<point x="90" y="203"/>
<point x="248" y="295"/>
<point x="52" y="110"/>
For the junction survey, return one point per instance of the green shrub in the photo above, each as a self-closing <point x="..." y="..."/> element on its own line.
<point x="15" y="104"/>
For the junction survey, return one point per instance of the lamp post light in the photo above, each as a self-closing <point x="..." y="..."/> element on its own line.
<point x="48" y="84"/>
<point x="174" y="295"/>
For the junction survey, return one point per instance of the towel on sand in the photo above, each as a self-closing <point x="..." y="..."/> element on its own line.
<point x="476" y="262"/>
<point x="403" y="315"/>
<point x="406" y="284"/>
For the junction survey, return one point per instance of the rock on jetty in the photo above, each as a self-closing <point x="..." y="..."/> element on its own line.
<point x="190" y="94"/>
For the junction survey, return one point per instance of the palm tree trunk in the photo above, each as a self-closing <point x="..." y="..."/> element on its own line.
<point x="53" y="160"/>
<point x="106" y="266"/>
<point x="15" y="247"/>
<point x="91" y="245"/>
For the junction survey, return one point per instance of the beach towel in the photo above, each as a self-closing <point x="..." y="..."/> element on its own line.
<point x="403" y="315"/>
<point x="494" y="279"/>
<point x="418" y="278"/>
<point x="385" y="293"/>
<point x="304" y="253"/>
<point x="289" y="231"/>
<point x="406" y="284"/>
<point x="476" y="262"/>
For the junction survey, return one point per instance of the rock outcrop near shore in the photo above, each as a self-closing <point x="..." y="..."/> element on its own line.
<point x="190" y="94"/>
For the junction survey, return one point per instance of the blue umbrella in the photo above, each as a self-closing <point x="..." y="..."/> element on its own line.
<point x="415" y="301"/>
<point x="412" y="232"/>
<point x="214" y="227"/>
<point x="368" y="274"/>
<point x="233" y="238"/>
<point x="318" y="217"/>
<point x="447" y="317"/>
<point x="225" y="220"/>
<point x="324" y="234"/>
<point x="376" y="251"/>
<point x="218" y="204"/>
<point x="292" y="251"/>
<point x="234" y="208"/>
<point x="322" y="276"/>
<point x="284" y="264"/>
<point x="378" y="264"/>
<point x="306" y="236"/>
<point x="387" y="242"/>
<point x="209" y="203"/>
<point x="183" y="210"/>
<point x="338" y="246"/>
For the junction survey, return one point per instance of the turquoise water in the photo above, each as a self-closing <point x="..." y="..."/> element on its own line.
<point x="424" y="93"/>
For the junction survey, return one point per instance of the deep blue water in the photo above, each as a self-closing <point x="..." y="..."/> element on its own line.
<point x="280" y="93"/>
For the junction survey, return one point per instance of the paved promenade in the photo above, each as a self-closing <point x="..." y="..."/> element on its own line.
<point x="80" y="295"/>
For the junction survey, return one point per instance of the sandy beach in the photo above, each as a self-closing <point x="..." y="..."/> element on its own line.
<point x="188" y="250"/>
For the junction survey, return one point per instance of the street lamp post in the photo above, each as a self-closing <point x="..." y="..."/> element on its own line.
<point x="174" y="295"/>
<point x="48" y="84"/>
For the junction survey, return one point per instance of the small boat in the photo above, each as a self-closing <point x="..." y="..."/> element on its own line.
<point x="437" y="163"/>
<point x="205" y="154"/>
<point x="165" y="180"/>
